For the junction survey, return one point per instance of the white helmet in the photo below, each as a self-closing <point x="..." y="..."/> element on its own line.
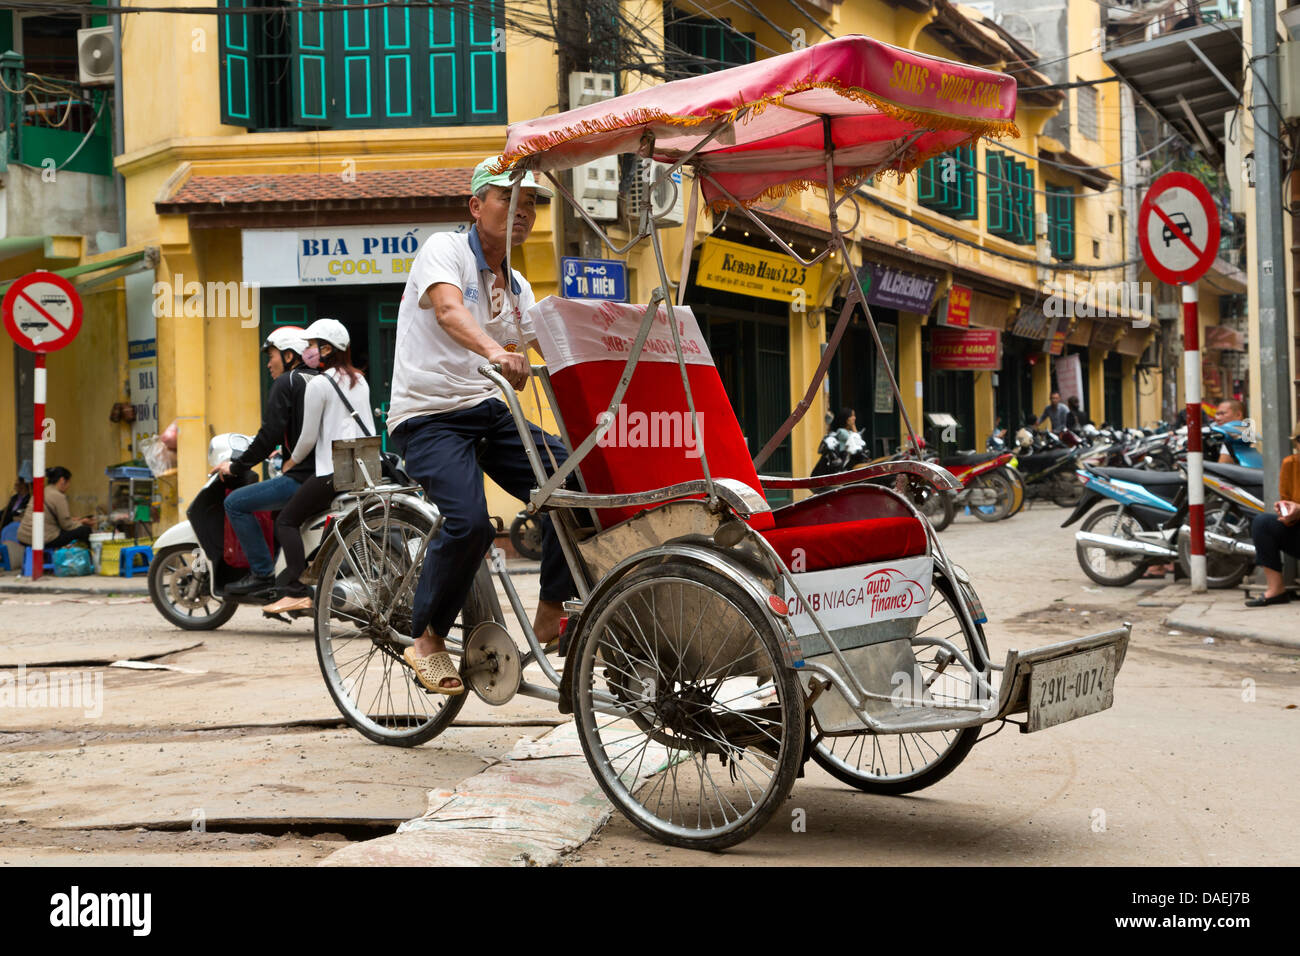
<point x="328" y="330"/>
<point x="286" y="338"/>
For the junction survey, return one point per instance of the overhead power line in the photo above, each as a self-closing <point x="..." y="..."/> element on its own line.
<point x="962" y="240"/>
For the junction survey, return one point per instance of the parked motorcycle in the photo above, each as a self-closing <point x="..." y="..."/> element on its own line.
<point x="191" y="565"/>
<point x="1047" y="464"/>
<point x="1147" y="525"/>
<point x="1236" y="496"/>
<point x="1120" y="541"/>
<point x="987" y="489"/>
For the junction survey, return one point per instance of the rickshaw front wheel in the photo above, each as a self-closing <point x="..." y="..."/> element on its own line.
<point x="687" y="713"/>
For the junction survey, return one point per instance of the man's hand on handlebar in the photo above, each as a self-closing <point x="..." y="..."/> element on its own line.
<point x="514" y="367"/>
<point x="224" y="468"/>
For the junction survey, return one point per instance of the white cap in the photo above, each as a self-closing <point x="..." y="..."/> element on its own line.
<point x="288" y="337"/>
<point x="328" y="330"/>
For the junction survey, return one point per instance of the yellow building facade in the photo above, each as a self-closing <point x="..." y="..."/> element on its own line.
<point x="217" y="205"/>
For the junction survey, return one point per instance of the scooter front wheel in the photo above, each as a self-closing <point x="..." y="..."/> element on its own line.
<point x="182" y="594"/>
<point x="1108" y="568"/>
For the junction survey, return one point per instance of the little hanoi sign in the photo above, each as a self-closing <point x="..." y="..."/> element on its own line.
<point x="976" y="349"/>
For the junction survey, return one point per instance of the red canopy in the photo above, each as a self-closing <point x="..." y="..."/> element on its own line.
<point x="877" y="98"/>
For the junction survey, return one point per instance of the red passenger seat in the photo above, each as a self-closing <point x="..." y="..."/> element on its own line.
<point x="651" y="443"/>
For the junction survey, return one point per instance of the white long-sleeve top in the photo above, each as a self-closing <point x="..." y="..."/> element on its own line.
<point x="326" y="420"/>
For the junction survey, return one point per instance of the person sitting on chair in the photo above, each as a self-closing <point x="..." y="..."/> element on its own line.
<point x="457" y="314"/>
<point x="1279" y="532"/>
<point x="60" y="527"/>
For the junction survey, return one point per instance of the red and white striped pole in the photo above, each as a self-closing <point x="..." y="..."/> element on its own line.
<point x="1195" y="458"/>
<point x="38" y="468"/>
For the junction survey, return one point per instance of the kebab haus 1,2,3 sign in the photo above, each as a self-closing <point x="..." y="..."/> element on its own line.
<point x="974" y="349"/>
<point x="732" y="267"/>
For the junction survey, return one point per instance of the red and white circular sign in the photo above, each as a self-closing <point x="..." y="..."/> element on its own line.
<point x="42" y="312"/>
<point x="1178" y="228"/>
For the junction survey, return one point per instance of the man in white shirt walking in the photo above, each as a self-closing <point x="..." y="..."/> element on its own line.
<point x="458" y="312"/>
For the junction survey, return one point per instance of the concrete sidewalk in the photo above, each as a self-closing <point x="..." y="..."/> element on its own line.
<point x="96" y="584"/>
<point x="103" y="585"/>
<point x="1223" y="615"/>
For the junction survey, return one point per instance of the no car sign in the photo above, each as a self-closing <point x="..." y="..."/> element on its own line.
<point x="1178" y="228"/>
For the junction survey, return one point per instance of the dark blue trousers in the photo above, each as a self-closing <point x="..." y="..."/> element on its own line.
<point x="442" y="454"/>
<point x="1272" y="538"/>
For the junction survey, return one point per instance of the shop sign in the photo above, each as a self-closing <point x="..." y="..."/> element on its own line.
<point x="1069" y="379"/>
<point x="892" y="288"/>
<point x="976" y="349"/>
<point x="745" y="270"/>
<point x="142" y="375"/>
<point x="336" y="255"/>
<point x="1057" y="332"/>
<point x="957" y="313"/>
<point x="1031" y="323"/>
<point x="1224" y="337"/>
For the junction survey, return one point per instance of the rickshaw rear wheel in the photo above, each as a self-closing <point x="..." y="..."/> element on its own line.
<point x="894" y="764"/>
<point x="710" y="734"/>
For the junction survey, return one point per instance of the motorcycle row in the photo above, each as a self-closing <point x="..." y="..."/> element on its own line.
<point x="1129" y="487"/>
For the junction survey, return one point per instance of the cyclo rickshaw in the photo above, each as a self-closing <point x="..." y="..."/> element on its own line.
<point x="716" y="643"/>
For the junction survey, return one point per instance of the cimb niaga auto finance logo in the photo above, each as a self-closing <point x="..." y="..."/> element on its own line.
<point x="853" y="596"/>
<point x="890" y="591"/>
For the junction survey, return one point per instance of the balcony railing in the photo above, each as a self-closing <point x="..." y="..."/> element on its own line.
<point x="45" y="118"/>
<point x="1138" y="22"/>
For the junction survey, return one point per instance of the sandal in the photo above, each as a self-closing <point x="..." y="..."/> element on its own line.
<point x="431" y="671"/>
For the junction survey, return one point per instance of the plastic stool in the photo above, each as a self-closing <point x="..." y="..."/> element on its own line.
<point x="47" y="567"/>
<point x="126" y="560"/>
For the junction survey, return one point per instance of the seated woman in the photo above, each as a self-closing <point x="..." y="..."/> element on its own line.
<point x="1279" y="532"/>
<point x="336" y="406"/>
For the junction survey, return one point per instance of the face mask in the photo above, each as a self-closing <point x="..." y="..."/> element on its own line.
<point x="311" y="356"/>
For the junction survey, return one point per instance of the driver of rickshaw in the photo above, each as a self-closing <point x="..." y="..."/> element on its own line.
<point x="456" y="314"/>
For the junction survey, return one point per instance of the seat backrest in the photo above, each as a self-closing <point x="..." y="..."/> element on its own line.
<point x="651" y="442"/>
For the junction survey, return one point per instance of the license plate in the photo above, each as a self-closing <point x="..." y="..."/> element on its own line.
<point x="1071" y="687"/>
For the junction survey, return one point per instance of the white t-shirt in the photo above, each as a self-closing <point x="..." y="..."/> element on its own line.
<point x="433" y="374"/>
<point x="325" y="419"/>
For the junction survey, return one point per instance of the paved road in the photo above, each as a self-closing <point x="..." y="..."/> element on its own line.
<point x="237" y="757"/>
<point x="1188" y="768"/>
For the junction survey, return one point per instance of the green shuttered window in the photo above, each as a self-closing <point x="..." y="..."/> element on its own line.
<point x="1010" y="188"/>
<point x="363" y="66"/>
<point x="946" y="184"/>
<point x="695" y="45"/>
<point x="1060" y="221"/>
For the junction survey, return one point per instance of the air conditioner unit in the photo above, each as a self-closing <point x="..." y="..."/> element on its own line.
<point x="96" y="56"/>
<point x="588" y="88"/>
<point x="595" y="187"/>
<point x="648" y="185"/>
